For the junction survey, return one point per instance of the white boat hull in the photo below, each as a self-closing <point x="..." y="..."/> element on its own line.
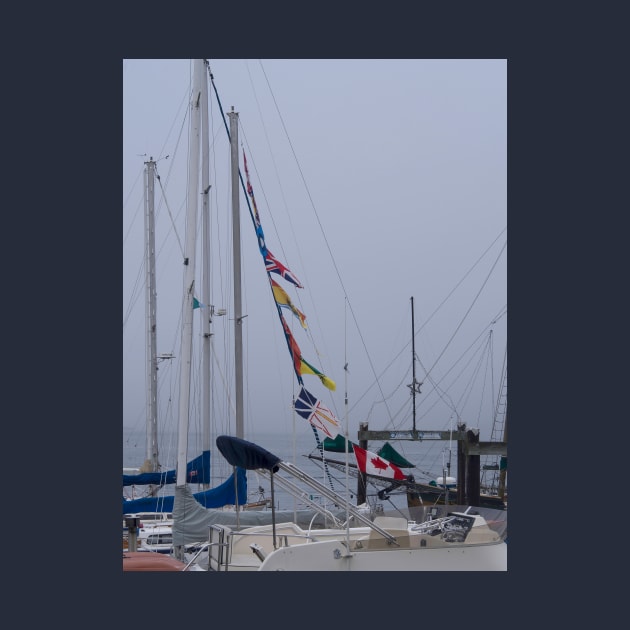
<point x="330" y="555"/>
<point x="427" y="546"/>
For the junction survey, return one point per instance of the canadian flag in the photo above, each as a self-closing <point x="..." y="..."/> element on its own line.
<point x="372" y="464"/>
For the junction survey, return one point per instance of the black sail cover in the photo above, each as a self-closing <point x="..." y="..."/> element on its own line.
<point x="244" y="454"/>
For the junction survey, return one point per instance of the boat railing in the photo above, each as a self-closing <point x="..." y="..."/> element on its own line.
<point x="222" y="539"/>
<point x="301" y="495"/>
<point x="219" y="546"/>
<point x="281" y="539"/>
<point x="335" y="498"/>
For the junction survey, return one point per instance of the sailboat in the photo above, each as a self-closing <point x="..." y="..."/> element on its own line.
<point x="150" y="475"/>
<point x="232" y="491"/>
<point x="154" y="508"/>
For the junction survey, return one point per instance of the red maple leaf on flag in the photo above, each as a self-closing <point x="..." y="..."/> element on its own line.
<point x="377" y="462"/>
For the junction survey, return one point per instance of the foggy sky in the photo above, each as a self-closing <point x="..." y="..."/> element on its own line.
<point x="392" y="183"/>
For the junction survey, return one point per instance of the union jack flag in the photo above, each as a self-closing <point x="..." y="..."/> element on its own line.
<point x="272" y="264"/>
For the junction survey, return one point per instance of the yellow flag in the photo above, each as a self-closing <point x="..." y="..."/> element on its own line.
<point x="283" y="299"/>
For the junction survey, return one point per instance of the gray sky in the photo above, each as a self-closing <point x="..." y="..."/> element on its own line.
<point x="375" y="180"/>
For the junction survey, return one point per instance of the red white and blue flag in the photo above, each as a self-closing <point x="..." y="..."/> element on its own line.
<point x="273" y="265"/>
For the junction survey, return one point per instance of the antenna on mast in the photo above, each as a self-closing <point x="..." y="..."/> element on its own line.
<point x="415" y="386"/>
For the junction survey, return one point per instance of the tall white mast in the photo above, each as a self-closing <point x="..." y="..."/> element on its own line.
<point x="189" y="272"/>
<point x="236" y="254"/>
<point x="206" y="310"/>
<point x="151" y="464"/>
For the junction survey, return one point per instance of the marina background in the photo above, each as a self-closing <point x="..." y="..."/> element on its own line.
<point x="429" y="456"/>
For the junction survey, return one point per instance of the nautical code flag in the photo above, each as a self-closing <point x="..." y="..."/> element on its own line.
<point x="307" y="368"/>
<point x="294" y="349"/>
<point x="282" y="299"/>
<point x="307" y="406"/>
<point x="250" y="191"/>
<point x="372" y="464"/>
<point x="299" y="364"/>
<point x="258" y="227"/>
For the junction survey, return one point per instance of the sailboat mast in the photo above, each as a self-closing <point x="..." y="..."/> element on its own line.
<point x="151" y="316"/>
<point x="189" y="273"/>
<point x="413" y="365"/>
<point x="205" y="297"/>
<point x="236" y="254"/>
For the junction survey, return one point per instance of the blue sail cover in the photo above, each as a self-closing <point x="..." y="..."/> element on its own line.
<point x="197" y="471"/>
<point x="223" y="494"/>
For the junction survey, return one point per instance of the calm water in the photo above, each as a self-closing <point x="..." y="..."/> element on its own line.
<point x="429" y="457"/>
